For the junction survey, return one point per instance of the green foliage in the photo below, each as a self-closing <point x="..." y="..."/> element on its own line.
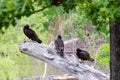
<point x="100" y="12"/>
<point x="12" y="62"/>
<point x="114" y="10"/>
<point x="103" y="58"/>
<point x="6" y="66"/>
<point x="68" y="5"/>
<point x="16" y="64"/>
<point x="96" y="11"/>
<point x="20" y="64"/>
<point x="12" y="10"/>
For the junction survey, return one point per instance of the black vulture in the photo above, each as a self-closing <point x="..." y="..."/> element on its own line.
<point x="31" y="34"/>
<point x="83" y="55"/>
<point x="59" y="45"/>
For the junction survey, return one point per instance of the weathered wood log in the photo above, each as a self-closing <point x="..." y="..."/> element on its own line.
<point x="68" y="64"/>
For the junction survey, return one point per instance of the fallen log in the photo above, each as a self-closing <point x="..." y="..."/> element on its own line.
<point x="68" y="64"/>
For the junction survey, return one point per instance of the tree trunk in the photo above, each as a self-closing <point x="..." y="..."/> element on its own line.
<point x="115" y="50"/>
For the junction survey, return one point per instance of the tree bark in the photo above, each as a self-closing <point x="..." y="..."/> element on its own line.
<point x="68" y="64"/>
<point x="115" y="50"/>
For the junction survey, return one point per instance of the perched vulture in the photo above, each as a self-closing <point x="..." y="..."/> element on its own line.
<point x="59" y="45"/>
<point x="83" y="55"/>
<point x="31" y="34"/>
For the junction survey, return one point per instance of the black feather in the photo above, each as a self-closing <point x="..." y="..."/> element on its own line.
<point x="83" y="55"/>
<point x="31" y="34"/>
<point x="59" y="45"/>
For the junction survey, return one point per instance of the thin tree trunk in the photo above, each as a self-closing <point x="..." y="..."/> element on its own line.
<point x="115" y="50"/>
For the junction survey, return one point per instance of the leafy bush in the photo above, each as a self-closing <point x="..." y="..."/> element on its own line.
<point x="103" y="58"/>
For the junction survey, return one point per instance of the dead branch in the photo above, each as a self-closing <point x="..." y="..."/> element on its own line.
<point x="68" y="64"/>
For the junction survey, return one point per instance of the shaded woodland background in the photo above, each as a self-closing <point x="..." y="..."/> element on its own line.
<point x="47" y="24"/>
